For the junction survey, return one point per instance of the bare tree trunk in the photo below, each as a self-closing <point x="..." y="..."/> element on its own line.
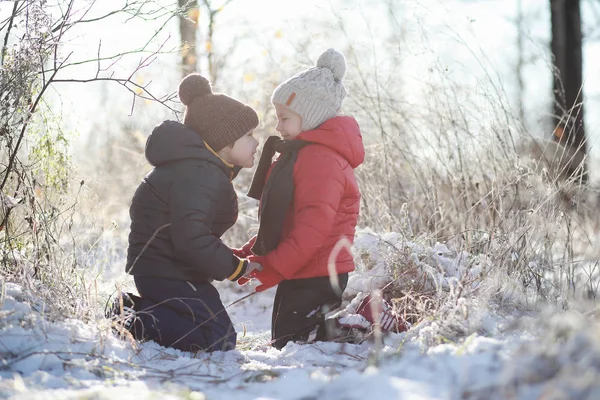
<point x="212" y="70"/>
<point x="568" y="84"/>
<point x="215" y="61"/>
<point x="188" y="25"/>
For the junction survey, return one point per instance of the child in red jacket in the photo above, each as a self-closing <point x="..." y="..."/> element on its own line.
<point x="309" y="202"/>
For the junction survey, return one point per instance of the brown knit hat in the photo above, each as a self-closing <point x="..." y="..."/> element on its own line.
<point x="219" y="119"/>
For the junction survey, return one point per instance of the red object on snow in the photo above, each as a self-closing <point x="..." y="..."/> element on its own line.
<point x="389" y="321"/>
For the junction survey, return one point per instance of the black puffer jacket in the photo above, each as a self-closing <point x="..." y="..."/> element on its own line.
<point x="186" y="202"/>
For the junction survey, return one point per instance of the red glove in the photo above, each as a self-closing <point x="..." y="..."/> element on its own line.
<point x="243" y="280"/>
<point x="240" y="253"/>
<point x="267" y="280"/>
<point x="268" y="277"/>
<point x="245" y="251"/>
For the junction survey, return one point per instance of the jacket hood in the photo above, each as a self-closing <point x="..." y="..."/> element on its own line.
<point x="173" y="141"/>
<point x="341" y="134"/>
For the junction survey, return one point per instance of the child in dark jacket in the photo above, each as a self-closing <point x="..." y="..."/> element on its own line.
<point x="178" y="214"/>
<point x="309" y="202"/>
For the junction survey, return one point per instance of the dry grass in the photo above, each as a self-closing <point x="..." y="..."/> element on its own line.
<point x="449" y="168"/>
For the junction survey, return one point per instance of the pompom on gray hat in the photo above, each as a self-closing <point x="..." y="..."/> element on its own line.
<point x="219" y="119"/>
<point x="317" y="93"/>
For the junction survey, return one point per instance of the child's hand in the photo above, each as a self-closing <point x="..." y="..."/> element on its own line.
<point x="252" y="268"/>
<point x="240" y="253"/>
<point x="246" y="250"/>
<point x="243" y="280"/>
<point x="267" y="276"/>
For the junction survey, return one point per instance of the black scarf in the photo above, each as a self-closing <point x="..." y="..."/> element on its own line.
<point x="277" y="194"/>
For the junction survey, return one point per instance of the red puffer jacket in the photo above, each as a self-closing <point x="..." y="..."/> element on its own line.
<point x="325" y="206"/>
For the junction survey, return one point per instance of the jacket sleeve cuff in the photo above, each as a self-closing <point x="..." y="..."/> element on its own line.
<point x="240" y="267"/>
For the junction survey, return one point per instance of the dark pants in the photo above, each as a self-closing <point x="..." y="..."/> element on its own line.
<point x="300" y="306"/>
<point x="173" y="314"/>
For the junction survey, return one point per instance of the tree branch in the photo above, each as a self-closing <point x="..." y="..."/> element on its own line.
<point x="50" y="46"/>
<point x="10" y="25"/>
<point x="115" y="58"/>
<point x="128" y="8"/>
<point x="25" y="125"/>
<point x="62" y="31"/>
<point x="63" y="19"/>
<point x="136" y="89"/>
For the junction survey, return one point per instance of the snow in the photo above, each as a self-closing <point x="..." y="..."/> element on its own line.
<point x="519" y="355"/>
<point x="474" y="349"/>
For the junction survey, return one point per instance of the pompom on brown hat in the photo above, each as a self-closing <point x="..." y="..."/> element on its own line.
<point x="219" y="119"/>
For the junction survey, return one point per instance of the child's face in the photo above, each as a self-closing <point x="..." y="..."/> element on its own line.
<point x="289" y="124"/>
<point x="242" y="152"/>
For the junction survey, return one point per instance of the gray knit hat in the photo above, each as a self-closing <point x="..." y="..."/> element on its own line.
<point x="317" y="93"/>
<point x="219" y="119"/>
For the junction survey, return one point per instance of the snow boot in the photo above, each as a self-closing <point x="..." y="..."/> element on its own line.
<point x="121" y="311"/>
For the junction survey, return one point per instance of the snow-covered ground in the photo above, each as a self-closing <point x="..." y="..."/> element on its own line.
<point x="500" y="355"/>
<point x="481" y="346"/>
